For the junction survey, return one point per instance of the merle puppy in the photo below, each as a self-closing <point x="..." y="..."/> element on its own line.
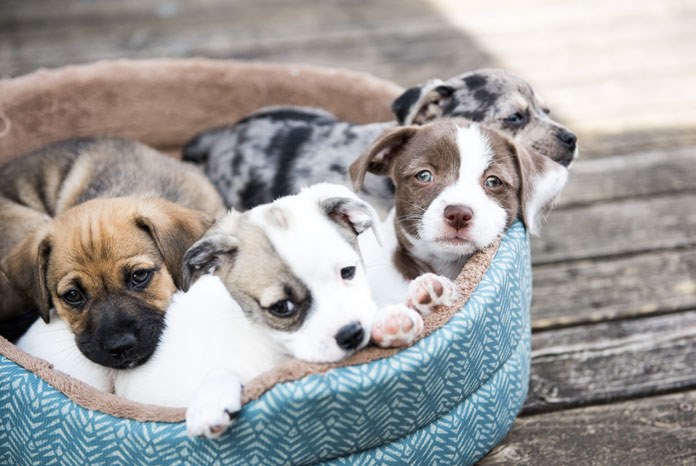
<point x="277" y="150"/>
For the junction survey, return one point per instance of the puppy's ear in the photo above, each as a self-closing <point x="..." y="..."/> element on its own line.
<point x="26" y="267"/>
<point x="422" y="103"/>
<point x="174" y="229"/>
<point x="542" y="181"/>
<point x="206" y="255"/>
<point x="352" y="213"/>
<point x="377" y="159"/>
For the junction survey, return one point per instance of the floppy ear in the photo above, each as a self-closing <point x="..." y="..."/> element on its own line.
<point x="174" y="229"/>
<point x="422" y="103"/>
<point x="206" y="255"/>
<point x="217" y="245"/>
<point x="378" y="157"/>
<point x="352" y="213"/>
<point x="26" y="267"/>
<point x="542" y="182"/>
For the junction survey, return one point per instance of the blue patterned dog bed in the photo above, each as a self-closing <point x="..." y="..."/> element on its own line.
<point x="448" y="399"/>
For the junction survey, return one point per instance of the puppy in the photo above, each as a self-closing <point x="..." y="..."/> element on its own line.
<point x="277" y="150"/>
<point x="288" y="283"/>
<point x="107" y="263"/>
<point x="458" y="186"/>
<point x="109" y="268"/>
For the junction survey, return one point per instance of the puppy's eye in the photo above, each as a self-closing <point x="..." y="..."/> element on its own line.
<point x="492" y="182"/>
<point x="73" y="297"/>
<point x="140" y="278"/>
<point x="516" y="118"/>
<point x="424" y="176"/>
<point x="282" y="308"/>
<point x="546" y="110"/>
<point x="347" y="273"/>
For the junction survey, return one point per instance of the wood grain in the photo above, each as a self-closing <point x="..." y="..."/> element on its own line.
<point x="612" y="361"/>
<point x="580" y="292"/>
<point x="617" y="228"/>
<point x="649" y="431"/>
<point x="637" y="175"/>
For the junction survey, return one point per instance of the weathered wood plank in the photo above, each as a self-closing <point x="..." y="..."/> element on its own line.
<point x="617" y="228"/>
<point x="612" y="361"/>
<point x="591" y="291"/>
<point x="604" y="143"/>
<point x="621" y="177"/>
<point x="650" y="431"/>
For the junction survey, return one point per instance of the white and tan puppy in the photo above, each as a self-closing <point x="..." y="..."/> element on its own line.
<point x="288" y="283"/>
<point x="458" y="187"/>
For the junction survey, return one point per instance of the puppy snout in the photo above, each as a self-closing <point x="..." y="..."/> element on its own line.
<point x="121" y="344"/>
<point x="350" y="336"/>
<point x="458" y="216"/>
<point x="568" y="139"/>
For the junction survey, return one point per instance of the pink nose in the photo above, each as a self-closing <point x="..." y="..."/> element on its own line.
<point x="458" y="216"/>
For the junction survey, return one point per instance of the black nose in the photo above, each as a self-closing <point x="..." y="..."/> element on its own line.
<point x="120" y="344"/>
<point x="350" y="336"/>
<point x="458" y="216"/>
<point x="568" y="139"/>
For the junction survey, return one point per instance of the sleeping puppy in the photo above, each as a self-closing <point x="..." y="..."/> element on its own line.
<point x="288" y="283"/>
<point x="107" y="263"/>
<point x="277" y="150"/>
<point x="458" y="186"/>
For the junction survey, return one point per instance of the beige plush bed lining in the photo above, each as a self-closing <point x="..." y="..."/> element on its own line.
<point x="163" y="103"/>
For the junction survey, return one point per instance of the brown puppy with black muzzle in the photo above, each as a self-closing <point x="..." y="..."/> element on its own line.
<point x="96" y="229"/>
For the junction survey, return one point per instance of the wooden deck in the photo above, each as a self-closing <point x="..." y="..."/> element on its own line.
<point x="614" y="312"/>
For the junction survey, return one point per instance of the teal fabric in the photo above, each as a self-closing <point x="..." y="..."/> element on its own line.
<point x="446" y="400"/>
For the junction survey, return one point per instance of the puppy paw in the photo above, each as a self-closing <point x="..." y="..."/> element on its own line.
<point x="395" y="326"/>
<point x="427" y="292"/>
<point x="214" y="405"/>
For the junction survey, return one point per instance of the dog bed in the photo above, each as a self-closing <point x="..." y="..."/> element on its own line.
<point x="448" y="399"/>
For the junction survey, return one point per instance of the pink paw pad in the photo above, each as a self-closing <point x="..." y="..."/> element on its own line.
<point x="396" y="326"/>
<point x="429" y="291"/>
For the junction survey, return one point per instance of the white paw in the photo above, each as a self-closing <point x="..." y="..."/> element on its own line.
<point x="396" y="326"/>
<point x="429" y="291"/>
<point x="214" y="405"/>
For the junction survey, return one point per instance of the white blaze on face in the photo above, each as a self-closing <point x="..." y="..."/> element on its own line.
<point x="489" y="218"/>
<point x="316" y="252"/>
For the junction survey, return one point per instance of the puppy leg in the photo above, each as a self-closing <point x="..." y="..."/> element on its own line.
<point x="429" y="291"/>
<point x="396" y="326"/>
<point x="214" y="405"/>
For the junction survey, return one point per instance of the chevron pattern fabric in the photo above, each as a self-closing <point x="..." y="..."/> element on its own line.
<point x="446" y="400"/>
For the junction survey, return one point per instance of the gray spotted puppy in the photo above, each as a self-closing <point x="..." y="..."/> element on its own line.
<point x="275" y="151"/>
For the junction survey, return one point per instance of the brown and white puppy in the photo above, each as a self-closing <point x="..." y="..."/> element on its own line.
<point x="458" y="186"/>
<point x="277" y="150"/>
<point x="107" y="263"/>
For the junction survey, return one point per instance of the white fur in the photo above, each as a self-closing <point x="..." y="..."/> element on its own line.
<point x="318" y="252"/>
<point x="446" y="259"/>
<point x="386" y="282"/>
<point x="489" y="217"/>
<point x="55" y="343"/>
<point x="547" y="187"/>
<point x="206" y="330"/>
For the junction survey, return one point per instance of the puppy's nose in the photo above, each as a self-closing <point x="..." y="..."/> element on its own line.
<point x="350" y="336"/>
<point x="568" y="139"/>
<point x="458" y="216"/>
<point x="120" y="344"/>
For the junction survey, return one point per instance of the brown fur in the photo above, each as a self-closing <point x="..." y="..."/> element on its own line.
<point x="402" y="152"/>
<point x="94" y="248"/>
<point x="250" y="249"/>
<point x="37" y="187"/>
<point x="52" y="227"/>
